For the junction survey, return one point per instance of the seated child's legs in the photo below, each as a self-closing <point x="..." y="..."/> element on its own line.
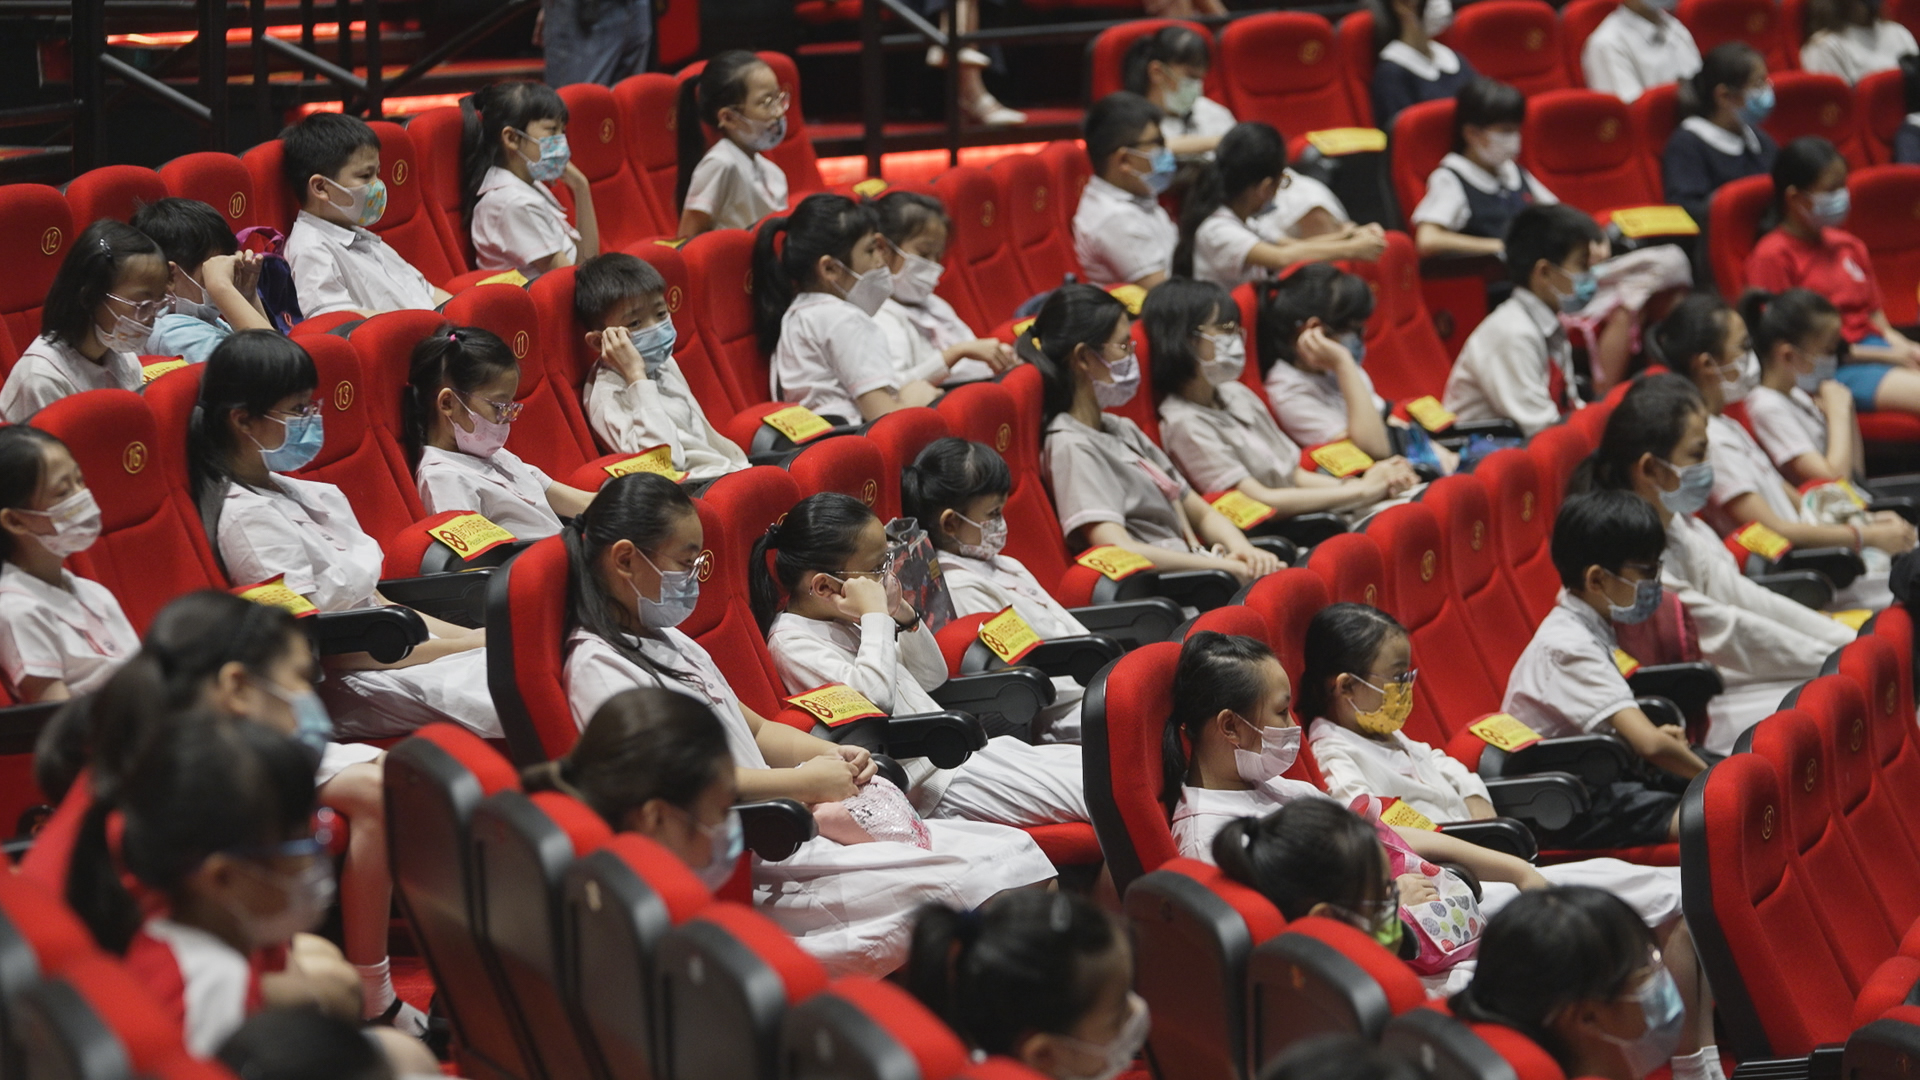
<point x="1014" y="783"/>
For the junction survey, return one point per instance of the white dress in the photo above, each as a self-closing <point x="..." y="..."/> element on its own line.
<point x="987" y="586"/>
<point x="734" y="187"/>
<point x="505" y="490"/>
<point x="851" y="906"/>
<point x="307" y="532"/>
<point x="74" y="632"/>
<point x="914" y="354"/>
<point x="49" y="370"/>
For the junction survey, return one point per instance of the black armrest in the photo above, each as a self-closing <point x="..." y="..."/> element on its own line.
<point x="1903" y="505"/>
<point x="770" y="443"/>
<point x="1282" y="548"/>
<point x="1803" y="587"/>
<point x="1689" y="686"/>
<point x="1078" y="656"/>
<point x="1597" y="760"/>
<point x="441" y="559"/>
<point x="1132" y="623"/>
<point x="1838" y="565"/>
<point x="892" y="770"/>
<point x="1903" y="486"/>
<point x="776" y="828"/>
<point x="1496" y="834"/>
<point x="1202" y="589"/>
<point x="1661" y="711"/>
<point x="387" y="634"/>
<point x="1304" y="530"/>
<point x="945" y="738"/>
<point x="1549" y="800"/>
<point x="1005" y="702"/>
<point x="1462" y="430"/>
<point x="460" y="599"/>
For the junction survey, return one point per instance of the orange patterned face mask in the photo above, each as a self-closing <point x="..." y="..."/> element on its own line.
<point x="1396" y="704"/>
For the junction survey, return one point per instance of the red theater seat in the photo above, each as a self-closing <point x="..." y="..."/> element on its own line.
<point x="624" y="207"/>
<point x="1350" y="566"/>
<point x="1353" y="46"/>
<point x="1733" y="226"/>
<point x="1285" y="73"/>
<point x="648" y="105"/>
<point x="866" y="1029"/>
<point x="1477" y="576"/>
<point x="1107" y="53"/>
<point x="899" y="437"/>
<point x="1880" y="100"/>
<point x="1071" y="170"/>
<point x="113" y="191"/>
<point x="1521" y="528"/>
<point x="220" y="181"/>
<point x="1807" y="103"/>
<point x="1123" y="719"/>
<point x="408" y="225"/>
<point x="526" y="677"/>
<point x="730" y="969"/>
<point x="1656" y="114"/>
<point x="1422" y="135"/>
<point x="36" y="228"/>
<point x="1582" y="145"/>
<point x="1043" y="252"/>
<point x="1756" y="22"/>
<point x="551" y="433"/>
<point x="436" y="135"/>
<point x="272" y="196"/>
<point x="983" y="280"/>
<point x="1287" y="602"/>
<point x="1578" y="20"/>
<point x="1886" y="199"/>
<point x="1320" y="977"/>
<point x="1514" y="41"/>
<point x="1413" y="361"/>
<point x="721" y="262"/>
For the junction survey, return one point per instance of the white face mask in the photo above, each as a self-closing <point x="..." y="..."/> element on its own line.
<point x="1229" y="359"/>
<point x="1437" y="17"/>
<point x="1125" y="373"/>
<point x="761" y="136"/>
<point x="76" y="524"/>
<point x="870" y="289"/>
<point x="1125" y="1046"/>
<point x="309" y="895"/>
<point x="1500" y="148"/>
<point x="203" y="309"/>
<point x="917" y="279"/>
<point x="1279" y="746"/>
<point x="1741" y="386"/>
<point x="993" y="537"/>
<point x="127" y="335"/>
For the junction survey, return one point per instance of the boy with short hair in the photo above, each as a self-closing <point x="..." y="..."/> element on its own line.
<point x="637" y="398"/>
<point x="1121" y="233"/>
<point x="333" y="163"/>
<point x="215" y="284"/>
<point x="1517" y="364"/>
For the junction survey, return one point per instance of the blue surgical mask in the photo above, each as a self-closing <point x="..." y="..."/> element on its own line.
<point x="552" y="163"/>
<point x="1161" y="175"/>
<point x="305" y="436"/>
<point x="679" y="593"/>
<point x="1646" y="600"/>
<point x="312" y="727"/>
<point x="1665" y="1015"/>
<point x="1584" y="286"/>
<point x="1824" y="368"/>
<point x="1696" y="484"/>
<point x="1830" y="208"/>
<point x="655" y="345"/>
<point x="1356" y="345"/>
<point x="1757" y="105"/>
<point x="727" y="842"/>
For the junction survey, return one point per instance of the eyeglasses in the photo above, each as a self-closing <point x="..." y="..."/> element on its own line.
<point x="1220" y="330"/>
<point x="701" y="566"/>
<point x="146" y="310"/>
<point x="291" y="849"/>
<point x="886" y="567"/>
<point x="1125" y="347"/>
<point x="302" y="411"/>
<point x="504" y="412"/>
<point x="774" y="102"/>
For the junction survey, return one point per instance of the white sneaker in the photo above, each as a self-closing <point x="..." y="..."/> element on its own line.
<point x="986" y="109"/>
<point x="969" y="57"/>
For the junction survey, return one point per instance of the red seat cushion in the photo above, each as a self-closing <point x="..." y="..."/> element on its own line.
<point x="1583" y="146"/>
<point x="219" y="180"/>
<point x="113" y="191"/>
<point x="36" y="228"/>
<point x="1514" y="41"/>
<point x="648" y="107"/>
<point x="1304" y="90"/>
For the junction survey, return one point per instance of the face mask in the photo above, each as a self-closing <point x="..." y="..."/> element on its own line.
<point x="365" y="204"/>
<point x="205" y="309"/>
<point x="309" y="895"/>
<point x="761" y="136"/>
<point x="487" y="436"/>
<point x="1500" y="148"/>
<point x="312" y="727"/>
<point x="1356" y="345"/>
<point x="1757" y="105"/>
<point x="1396" y="704"/>
<point x="726" y="841"/>
<point x="993" y="537"/>
<point x="76" y="524"/>
<point x="1830" y="208"/>
<point x="1229" y="359"/>
<point x="1823" y="369"/>
<point x="1665" y="5"/>
<point x="305" y="436"/>
<point x="127" y="336"/>
<point x="1278" y="747"/>
<point x="1436" y="17"/>
<point x="1125" y="1046"/>
<point x="552" y="162"/>
<point x="916" y="281"/>
<point x="1665" y="1015"/>
<point x="679" y="592"/>
<point x="870" y="289"/>
<point x="1159" y="176"/>
<point x="1646" y="600"/>
<point x="1743" y="384"/>
<point x="1126" y="382"/>
<point x="1584" y="286"/>
<point x="1181" y="98"/>
<point x="655" y="345"/>
<point x="1696" y="484"/>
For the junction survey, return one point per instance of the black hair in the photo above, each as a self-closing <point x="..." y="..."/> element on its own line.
<point x="23" y="452"/>
<point x="210" y="785"/>
<point x="1731" y="64"/>
<point x="97" y="258"/>
<point x="1342" y="639"/>
<point x="1608" y="528"/>
<point x="1173" y="314"/>
<point x="1338" y="1057"/>
<point x="1026" y="962"/>
<point x="302" y="1043"/>
<point x="188" y="231"/>
<point x="1785" y="316"/>
<point x="643" y="744"/>
<point x="642" y="509"/>
<point x="1548" y="949"/>
<point x="1836" y="15"/>
<point x="1650" y="419"/>
<point x="820" y="533"/>
<point x="1246" y="155"/>
<point x="1308" y="852"/>
<point x="1171" y="44"/>
<point x="904" y="213"/>
<point x="487" y="112"/>
<point x="1484" y="102"/>
<point x="1075" y="315"/>
<point x="1696" y="325"/>
<point x="248" y="372"/>
<point x="463" y="357"/>
<point x="1341" y="300"/>
<point x="606" y="280"/>
<point x="722" y="84"/>
<point x="822" y="224"/>
<point x="948" y="474"/>
<point x="321" y="145"/>
<point x="1799" y="165"/>
<point x="1116" y="121"/>
<point x="1553" y="232"/>
<point x="1217" y="672"/>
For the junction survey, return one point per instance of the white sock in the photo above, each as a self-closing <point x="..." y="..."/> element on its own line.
<point x="376" y="991"/>
<point x="1703" y="1064"/>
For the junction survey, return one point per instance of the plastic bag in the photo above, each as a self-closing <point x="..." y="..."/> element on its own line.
<point x="917" y="566"/>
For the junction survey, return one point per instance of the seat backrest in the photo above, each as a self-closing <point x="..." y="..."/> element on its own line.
<point x="1124" y="717"/>
<point x="1412" y="360"/>
<point x="850" y="466"/>
<point x="552" y="433"/>
<point x="1350" y="565"/>
<point x="36" y="228"/>
<point x="734" y="511"/>
<point x="1514" y="41"/>
<point x="1733" y="227"/>
<point x="385" y="345"/>
<point x="1454" y="688"/>
<point x="983" y="280"/>
<point x="1288" y="601"/>
<point x="1422" y="135"/>
<point x="1285" y="72"/>
<point x="1071" y="170"/>
<point x="648" y="105"/>
<point x="1887" y="196"/>
<point x="1318" y="977"/>
<point x="266" y="165"/>
<point x="867" y="1029"/>
<point x="1006" y="417"/>
<point x="1043" y="253"/>
<point x="1881" y="670"/>
<point x="113" y="191"/>
<point x="408" y="226"/>
<point x="1521" y="528"/>
<point x="1810" y="103"/>
<point x="599" y="138"/>
<point x="728" y="969"/>
<point x="526" y="663"/>
<point x="1582" y="145"/>
<point x="219" y="180"/>
<point x="1354" y="52"/>
<point x="1478" y="582"/>
<point x="721" y="262"/>
<point x="1578" y="21"/>
<point x="1107" y="54"/>
<point x="1756" y="22"/>
<point x="1556" y="453"/>
<point x="1880" y="102"/>
<point x="1656" y="113"/>
<point x="147" y="1034"/>
<point x="1867" y="802"/>
<point x="795" y="154"/>
<point x="436" y="135"/>
<point x="360" y="456"/>
<point x="899" y="436"/>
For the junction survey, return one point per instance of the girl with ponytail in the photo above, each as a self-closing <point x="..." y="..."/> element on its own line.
<point x="734" y="183"/>
<point x="513" y="146"/>
<point x="1720" y="140"/>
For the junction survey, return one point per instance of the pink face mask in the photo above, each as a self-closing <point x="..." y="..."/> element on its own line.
<point x="487" y="436"/>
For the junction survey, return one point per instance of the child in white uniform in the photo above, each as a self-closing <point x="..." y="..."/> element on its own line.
<point x="459" y="411"/>
<point x="635" y="556"/>
<point x="1638" y="47"/>
<point x="513" y="144"/>
<point x="256" y="421"/>
<point x="814" y="304"/>
<point x="928" y="339"/>
<point x="98" y="316"/>
<point x="61" y="635"/>
<point x="1312" y="343"/>
<point x="1849" y="38"/>
<point x="843" y="621"/>
<point x="731" y="184"/>
<point x="1121" y="233"/>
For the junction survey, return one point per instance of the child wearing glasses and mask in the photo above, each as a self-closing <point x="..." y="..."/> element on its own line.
<point x="99" y="314"/>
<point x="733" y="183"/>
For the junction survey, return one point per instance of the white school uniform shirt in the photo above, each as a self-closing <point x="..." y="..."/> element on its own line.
<point x="503" y="489"/>
<point x="830" y="353"/>
<point x="659" y="410"/>
<point x="213" y="980"/>
<point x="50" y="370"/>
<point x="1280" y="219"/>
<point x="1114" y="474"/>
<point x="1786" y="425"/>
<point x="1203" y="812"/>
<point x="74" y="632"/>
<point x="1220" y="248"/>
<point x="1217" y="446"/>
<point x="1120" y="237"/>
<point x="336" y="267"/>
<point x="517" y="223"/>
<point x="1740" y="467"/>
<point x="1208" y="117"/>
<point x="1400" y="768"/>
<point x="1503" y="370"/>
<point x="595" y="671"/>
<point x="1628" y="55"/>
<point x="1855" y="52"/>
<point x="1443" y="61"/>
<point x="988" y="586"/>
<point x="1565" y="682"/>
<point x="1311" y="408"/>
<point x="305" y="530"/>
<point x="1445" y="203"/>
<point x="734" y="187"/>
<point x="937" y="321"/>
<point x="915" y="356"/>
